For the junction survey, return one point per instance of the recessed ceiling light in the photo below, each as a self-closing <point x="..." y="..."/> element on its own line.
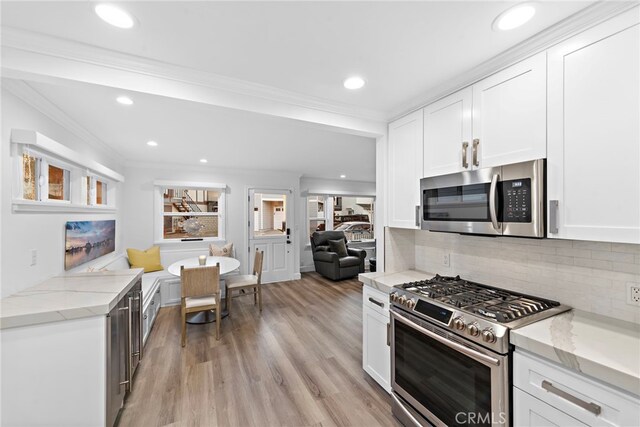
<point x="203" y="160"/>
<point x="343" y="176"/>
<point x="114" y="15"/>
<point x="354" y="82"/>
<point x="514" y="17"/>
<point x="124" y="100"/>
<point x="152" y="143"/>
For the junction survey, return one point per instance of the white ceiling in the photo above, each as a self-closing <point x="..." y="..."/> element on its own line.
<point x="402" y="49"/>
<point x="188" y="131"/>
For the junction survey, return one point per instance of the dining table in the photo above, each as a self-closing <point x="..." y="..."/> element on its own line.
<point x="227" y="265"/>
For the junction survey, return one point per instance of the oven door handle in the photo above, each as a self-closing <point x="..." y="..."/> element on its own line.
<point x="483" y="358"/>
<point x="492" y="202"/>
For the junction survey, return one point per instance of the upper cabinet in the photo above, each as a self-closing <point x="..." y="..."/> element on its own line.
<point x="447" y="134"/>
<point x="509" y="114"/>
<point x="405" y="171"/>
<point x="497" y="121"/>
<point x="594" y="134"/>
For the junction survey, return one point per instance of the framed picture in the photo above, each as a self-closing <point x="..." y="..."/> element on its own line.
<point x="88" y="240"/>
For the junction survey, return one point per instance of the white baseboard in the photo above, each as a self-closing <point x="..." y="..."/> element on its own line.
<point x="297" y="276"/>
<point x="307" y="268"/>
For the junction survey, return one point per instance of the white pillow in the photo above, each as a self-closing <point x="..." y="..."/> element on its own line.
<point x="226" y="250"/>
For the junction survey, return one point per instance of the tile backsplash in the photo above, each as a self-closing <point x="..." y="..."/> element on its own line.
<point x="590" y="276"/>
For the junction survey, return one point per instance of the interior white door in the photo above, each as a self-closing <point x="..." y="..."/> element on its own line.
<point x="510" y="115"/>
<point x="447" y="134"/>
<point x="271" y="230"/>
<point x="594" y="134"/>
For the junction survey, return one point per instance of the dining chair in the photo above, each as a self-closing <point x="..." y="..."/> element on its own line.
<point x="243" y="282"/>
<point x="200" y="292"/>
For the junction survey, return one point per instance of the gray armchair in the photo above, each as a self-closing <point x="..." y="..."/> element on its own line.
<point x="330" y="264"/>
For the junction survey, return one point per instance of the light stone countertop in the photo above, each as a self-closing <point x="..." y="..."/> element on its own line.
<point x="601" y="347"/>
<point x="67" y="297"/>
<point x="384" y="281"/>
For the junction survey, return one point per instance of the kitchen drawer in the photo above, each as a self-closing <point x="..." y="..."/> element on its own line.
<point x="570" y="392"/>
<point x="376" y="300"/>
<point x="531" y="412"/>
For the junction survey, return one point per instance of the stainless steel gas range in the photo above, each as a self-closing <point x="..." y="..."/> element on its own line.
<point x="450" y="351"/>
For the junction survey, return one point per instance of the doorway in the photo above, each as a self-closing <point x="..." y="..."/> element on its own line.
<point x="270" y="230"/>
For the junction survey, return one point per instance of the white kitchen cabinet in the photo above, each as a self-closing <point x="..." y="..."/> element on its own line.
<point x="531" y="412"/>
<point x="405" y="170"/>
<point x="376" y="353"/>
<point x="540" y="385"/>
<point x="594" y="134"/>
<point x="150" y="312"/>
<point x="447" y="134"/>
<point x="509" y="115"/>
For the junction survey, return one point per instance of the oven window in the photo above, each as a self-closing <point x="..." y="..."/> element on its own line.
<point x="449" y="384"/>
<point x="460" y="203"/>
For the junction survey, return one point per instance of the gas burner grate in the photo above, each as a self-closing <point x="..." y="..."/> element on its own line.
<point x="516" y="308"/>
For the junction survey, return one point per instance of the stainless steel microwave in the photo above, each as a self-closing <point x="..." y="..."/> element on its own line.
<point x="504" y="201"/>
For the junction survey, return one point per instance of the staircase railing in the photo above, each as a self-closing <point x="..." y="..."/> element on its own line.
<point x="194" y="207"/>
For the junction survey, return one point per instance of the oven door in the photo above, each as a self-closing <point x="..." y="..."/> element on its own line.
<point x="445" y="379"/>
<point x="464" y="202"/>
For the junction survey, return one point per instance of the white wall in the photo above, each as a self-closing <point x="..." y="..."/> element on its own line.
<point x="339" y="187"/>
<point x="44" y="232"/>
<point x="139" y="204"/>
<point x="590" y="276"/>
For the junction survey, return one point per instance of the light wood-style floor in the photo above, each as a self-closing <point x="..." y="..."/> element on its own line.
<point x="299" y="363"/>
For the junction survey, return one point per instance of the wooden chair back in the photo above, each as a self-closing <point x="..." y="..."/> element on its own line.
<point x="257" y="265"/>
<point x="200" y="281"/>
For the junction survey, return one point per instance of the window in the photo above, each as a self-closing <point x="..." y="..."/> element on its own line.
<point x="353" y="215"/>
<point x="97" y="190"/>
<point x="44" y="178"/>
<point x="190" y="213"/>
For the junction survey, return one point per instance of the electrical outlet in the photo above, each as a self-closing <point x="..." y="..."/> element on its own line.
<point x="633" y="293"/>
<point x="34" y="257"/>
<point x="446" y="260"/>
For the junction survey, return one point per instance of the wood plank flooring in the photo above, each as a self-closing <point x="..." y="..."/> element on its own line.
<point x="299" y="363"/>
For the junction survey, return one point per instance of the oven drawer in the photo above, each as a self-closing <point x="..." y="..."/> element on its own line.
<point x="376" y="300"/>
<point x="590" y="402"/>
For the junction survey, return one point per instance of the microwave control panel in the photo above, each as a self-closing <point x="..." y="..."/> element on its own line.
<point x="516" y="200"/>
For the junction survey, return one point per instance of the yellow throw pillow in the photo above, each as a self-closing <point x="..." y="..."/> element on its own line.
<point x="226" y="250"/>
<point x="149" y="259"/>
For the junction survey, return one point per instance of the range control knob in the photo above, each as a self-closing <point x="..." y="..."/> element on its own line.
<point x="458" y="323"/>
<point x="411" y="303"/>
<point x="393" y="296"/>
<point x="402" y="300"/>
<point x="473" y="329"/>
<point x="488" y="335"/>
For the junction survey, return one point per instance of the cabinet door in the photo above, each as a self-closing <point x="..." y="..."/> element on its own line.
<point x="594" y="134"/>
<point x="509" y="115"/>
<point x="405" y="170"/>
<point x="376" y="354"/>
<point x="447" y="129"/>
<point x="531" y="412"/>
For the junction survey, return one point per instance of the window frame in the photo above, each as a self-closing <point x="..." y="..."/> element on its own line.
<point x="159" y="214"/>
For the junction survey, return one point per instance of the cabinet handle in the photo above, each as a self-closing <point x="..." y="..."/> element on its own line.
<point x="376" y="302"/>
<point x="465" y="163"/>
<point x="417" y="216"/>
<point x="389" y="334"/>
<point x="140" y="321"/>
<point x="145" y="317"/>
<point x="130" y="355"/>
<point x="589" y="406"/>
<point x="553" y="216"/>
<point x="476" y="142"/>
<point x="152" y="302"/>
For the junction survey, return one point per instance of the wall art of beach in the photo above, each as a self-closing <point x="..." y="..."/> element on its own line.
<point x="88" y="240"/>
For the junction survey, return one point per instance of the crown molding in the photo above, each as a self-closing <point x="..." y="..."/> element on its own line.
<point x="543" y="40"/>
<point x="33" y="98"/>
<point x="109" y="59"/>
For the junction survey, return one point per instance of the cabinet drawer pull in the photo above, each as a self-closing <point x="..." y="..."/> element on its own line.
<point x="417" y="216"/>
<point x="476" y="142"/>
<point x="389" y="334"/>
<point x="376" y="302"/>
<point x="589" y="406"/>
<point x="553" y="216"/>
<point x="465" y="162"/>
